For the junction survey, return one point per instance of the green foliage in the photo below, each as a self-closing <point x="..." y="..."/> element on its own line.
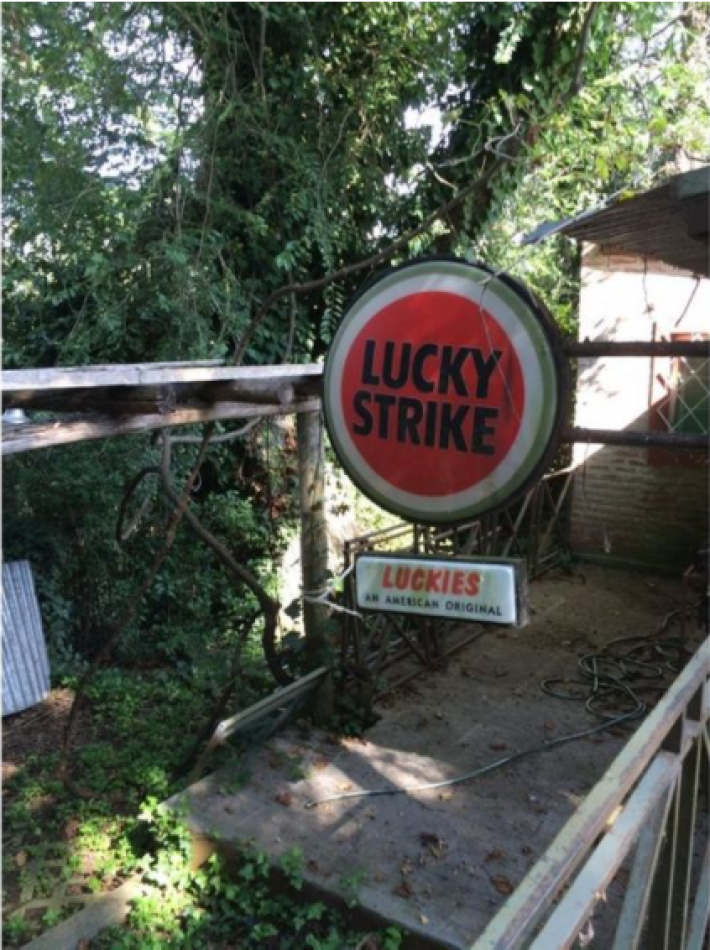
<point x="16" y="929"/>
<point x="168" y="165"/>
<point x="222" y="905"/>
<point x="350" y="885"/>
<point x="61" y="511"/>
<point x="622" y="130"/>
<point x="292" y="863"/>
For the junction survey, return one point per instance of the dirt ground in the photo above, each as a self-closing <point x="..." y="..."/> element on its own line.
<point x="441" y="862"/>
<point x="39" y="730"/>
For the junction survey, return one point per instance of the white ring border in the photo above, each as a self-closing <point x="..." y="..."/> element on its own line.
<point x="528" y="358"/>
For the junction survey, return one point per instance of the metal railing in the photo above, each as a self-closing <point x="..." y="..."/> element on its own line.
<point x="643" y="818"/>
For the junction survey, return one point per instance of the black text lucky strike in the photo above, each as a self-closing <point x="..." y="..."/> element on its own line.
<point x="429" y="369"/>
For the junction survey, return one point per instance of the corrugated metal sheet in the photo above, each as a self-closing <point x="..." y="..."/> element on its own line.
<point x="24" y="654"/>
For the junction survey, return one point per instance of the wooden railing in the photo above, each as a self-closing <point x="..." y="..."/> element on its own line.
<point x="645" y="816"/>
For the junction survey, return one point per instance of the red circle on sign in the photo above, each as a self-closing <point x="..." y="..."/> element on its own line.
<point x="446" y="440"/>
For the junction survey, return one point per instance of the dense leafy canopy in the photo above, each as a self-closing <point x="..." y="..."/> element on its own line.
<point x="167" y="165"/>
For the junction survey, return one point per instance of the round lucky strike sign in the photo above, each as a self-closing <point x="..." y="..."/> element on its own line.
<point x="442" y="391"/>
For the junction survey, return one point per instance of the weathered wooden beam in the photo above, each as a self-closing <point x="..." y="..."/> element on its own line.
<point x="145" y="400"/>
<point x="691" y="349"/>
<point x="151" y="374"/>
<point x="126" y="400"/>
<point x="108" y="910"/>
<point x="41" y="435"/>
<point x="280" y="393"/>
<point x="314" y="547"/>
<point x="637" y="439"/>
<point x="280" y="702"/>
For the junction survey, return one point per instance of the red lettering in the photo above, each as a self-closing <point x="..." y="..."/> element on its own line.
<point x="445" y="582"/>
<point x="418" y="577"/>
<point x="473" y="583"/>
<point x="402" y="578"/>
<point x="457" y="586"/>
<point x="432" y="582"/>
<point x="387" y="577"/>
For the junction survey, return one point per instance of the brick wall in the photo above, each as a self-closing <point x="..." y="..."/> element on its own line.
<point x="626" y="506"/>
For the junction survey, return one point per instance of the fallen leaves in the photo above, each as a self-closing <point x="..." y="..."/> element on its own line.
<point x="502" y="885"/>
<point x="495" y="855"/>
<point x="284" y="798"/>
<point x="403" y="890"/>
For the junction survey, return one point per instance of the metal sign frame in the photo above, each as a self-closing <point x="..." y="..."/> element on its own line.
<point x="520" y="580"/>
<point x="501" y="305"/>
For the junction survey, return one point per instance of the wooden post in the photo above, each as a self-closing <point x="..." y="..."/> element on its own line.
<point x="314" y="547"/>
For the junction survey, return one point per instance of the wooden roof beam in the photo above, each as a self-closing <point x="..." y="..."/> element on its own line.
<point x="154" y="374"/>
<point x="26" y="437"/>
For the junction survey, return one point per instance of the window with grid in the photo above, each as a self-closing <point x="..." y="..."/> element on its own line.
<point x="685" y="404"/>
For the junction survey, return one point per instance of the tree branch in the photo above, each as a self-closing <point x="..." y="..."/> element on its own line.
<point x="584" y="37"/>
<point x="218" y="709"/>
<point x="241" y="573"/>
<point x="380" y="257"/>
<point x="218" y="439"/>
<point x="131" y="610"/>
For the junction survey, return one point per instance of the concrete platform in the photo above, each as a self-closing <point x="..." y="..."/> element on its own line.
<point x="440" y="863"/>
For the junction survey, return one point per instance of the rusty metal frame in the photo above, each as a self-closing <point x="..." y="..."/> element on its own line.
<point x="374" y="645"/>
<point x="652" y="349"/>
<point x="585" y="349"/>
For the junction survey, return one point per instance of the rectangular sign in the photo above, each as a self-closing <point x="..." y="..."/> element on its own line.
<point x="485" y="590"/>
